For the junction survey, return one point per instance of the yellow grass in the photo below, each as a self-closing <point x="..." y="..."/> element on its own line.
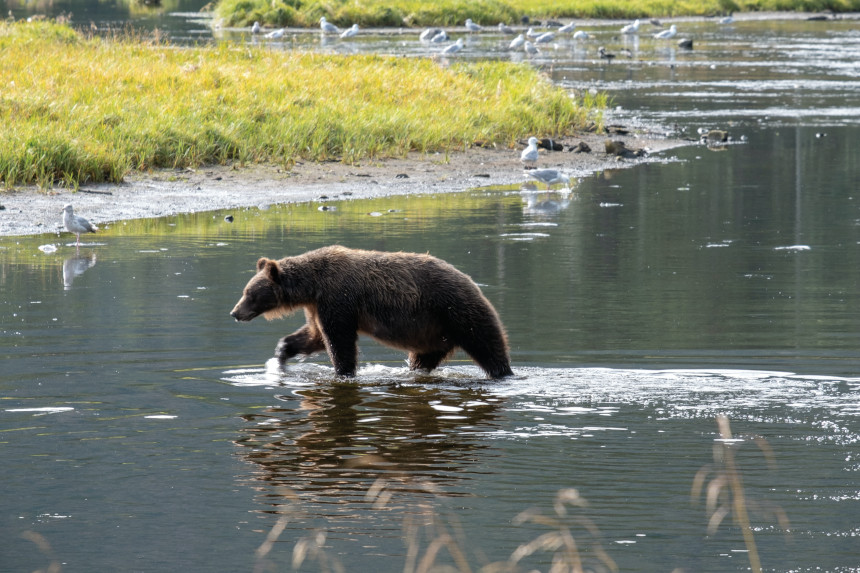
<point x="79" y="109"/>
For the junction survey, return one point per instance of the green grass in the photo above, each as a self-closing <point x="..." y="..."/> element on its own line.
<point x="388" y="13"/>
<point x="76" y="109"/>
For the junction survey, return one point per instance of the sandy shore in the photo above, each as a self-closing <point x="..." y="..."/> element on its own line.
<point x="29" y="211"/>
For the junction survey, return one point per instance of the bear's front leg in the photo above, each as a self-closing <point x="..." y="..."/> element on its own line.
<point x="341" y="337"/>
<point x="305" y="340"/>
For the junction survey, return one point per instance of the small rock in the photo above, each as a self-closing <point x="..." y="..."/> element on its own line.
<point x="685" y="44"/>
<point x="550" y="144"/>
<point x="229" y="218"/>
<point x="580" y="147"/>
<point x="401" y="176"/>
<point x="617" y="129"/>
<point x="717" y="136"/>
<point x="620" y="149"/>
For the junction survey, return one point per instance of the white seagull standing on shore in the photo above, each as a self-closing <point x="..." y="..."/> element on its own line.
<point x="667" y="34"/>
<point x="255" y="29"/>
<point x="76" y="224"/>
<point x="580" y="35"/>
<point x="517" y="42"/>
<point x="529" y="156"/>
<point x="276" y="34"/>
<point x="472" y="27"/>
<point x="350" y="32"/>
<point x="567" y="28"/>
<point x="328" y="27"/>
<point x="505" y="29"/>
<point x="530" y="48"/>
<point x="454" y="48"/>
<point x="440" y="37"/>
<point x="631" y="28"/>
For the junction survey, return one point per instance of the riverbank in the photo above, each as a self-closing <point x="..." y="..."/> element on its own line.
<point x="29" y="210"/>
<point x="415" y="13"/>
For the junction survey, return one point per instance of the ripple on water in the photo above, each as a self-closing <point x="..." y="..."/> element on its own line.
<point x="599" y="391"/>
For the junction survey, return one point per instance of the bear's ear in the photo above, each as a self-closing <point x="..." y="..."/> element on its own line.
<point x="261" y="263"/>
<point x="273" y="271"/>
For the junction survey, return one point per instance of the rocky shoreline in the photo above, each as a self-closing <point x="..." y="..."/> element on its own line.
<point x="30" y="211"/>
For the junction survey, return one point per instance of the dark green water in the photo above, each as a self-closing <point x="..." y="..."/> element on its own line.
<point x="143" y="430"/>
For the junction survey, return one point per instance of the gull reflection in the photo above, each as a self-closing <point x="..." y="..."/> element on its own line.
<point x="545" y="204"/>
<point x="75" y="266"/>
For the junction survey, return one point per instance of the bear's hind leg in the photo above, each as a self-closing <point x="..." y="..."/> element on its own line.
<point x="491" y="356"/>
<point x="305" y="340"/>
<point x="427" y="361"/>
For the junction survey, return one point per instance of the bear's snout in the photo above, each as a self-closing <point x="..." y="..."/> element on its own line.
<point x="242" y="314"/>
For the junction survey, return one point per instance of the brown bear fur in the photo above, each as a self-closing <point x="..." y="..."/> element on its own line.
<point x="409" y="301"/>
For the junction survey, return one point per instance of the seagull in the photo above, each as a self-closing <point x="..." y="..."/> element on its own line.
<point x="429" y="33"/>
<point x="631" y="28"/>
<point x="472" y="27"/>
<point x="328" y="27"/>
<point x="454" y="48"/>
<point x="530" y="48"/>
<point x="544" y="38"/>
<point x="350" y="32"/>
<point x="517" y="42"/>
<point x="529" y="156"/>
<point x="276" y="34"/>
<point x="77" y="224"/>
<point x="726" y="19"/>
<point x="601" y="51"/>
<point x="255" y="29"/>
<point x="566" y="29"/>
<point x="667" y="34"/>
<point x="530" y="33"/>
<point x="580" y="35"/>
<point x="548" y="176"/>
<point x="505" y="29"/>
<point x="440" y="37"/>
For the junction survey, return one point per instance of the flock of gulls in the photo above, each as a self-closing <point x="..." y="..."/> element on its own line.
<point x="528" y="41"/>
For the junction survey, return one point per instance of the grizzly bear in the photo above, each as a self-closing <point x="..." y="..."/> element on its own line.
<point x="409" y="301"/>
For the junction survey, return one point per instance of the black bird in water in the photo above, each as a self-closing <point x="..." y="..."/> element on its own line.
<point x="601" y="51"/>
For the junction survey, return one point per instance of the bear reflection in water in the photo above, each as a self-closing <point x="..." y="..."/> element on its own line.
<point x="325" y="441"/>
<point x="409" y="301"/>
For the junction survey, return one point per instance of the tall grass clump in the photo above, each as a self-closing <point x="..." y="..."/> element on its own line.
<point x="395" y="13"/>
<point x="76" y="109"/>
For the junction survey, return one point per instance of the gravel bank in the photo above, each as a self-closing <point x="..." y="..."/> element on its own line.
<point x="28" y="211"/>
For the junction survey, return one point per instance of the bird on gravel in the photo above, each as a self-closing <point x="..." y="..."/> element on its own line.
<point x="667" y="34"/>
<point x="76" y="224"/>
<point x="328" y="27"/>
<point x="631" y="28"/>
<point x="529" y="156"/>
<point x="350" y="32"/>
<point x="454" y="48"/>
<point x="472" y="27"/>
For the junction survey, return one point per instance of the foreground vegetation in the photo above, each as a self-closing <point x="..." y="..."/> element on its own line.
<point x="396" y="13"/>
<point x="79" y="109"/>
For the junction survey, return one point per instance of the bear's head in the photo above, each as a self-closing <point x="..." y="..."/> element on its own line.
<point x="263" y="295"/>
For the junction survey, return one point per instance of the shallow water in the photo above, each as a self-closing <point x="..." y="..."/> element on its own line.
<point x="143" y="429"/>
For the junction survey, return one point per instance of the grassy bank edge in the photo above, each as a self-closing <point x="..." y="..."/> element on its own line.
<point x="417" y="13"/>
<point x="94" y="109"/>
